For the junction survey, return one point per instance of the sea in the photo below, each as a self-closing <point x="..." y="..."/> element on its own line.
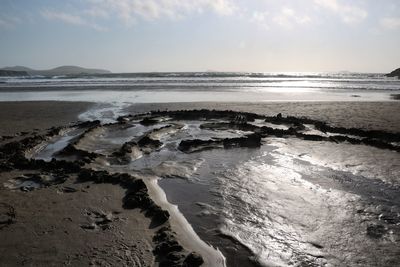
<point x="202" y="86"/>
<point x="289" y="203"/>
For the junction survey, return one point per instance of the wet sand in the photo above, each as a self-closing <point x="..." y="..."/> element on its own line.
<point x="29" y="115"/>
<point x="366" y="115"/>
<point x="65" y="212"/>
<point x="58" y="225"/>
<point x="63" y="224"/>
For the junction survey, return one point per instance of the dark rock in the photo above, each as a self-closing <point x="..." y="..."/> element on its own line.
<point x="149" y="121"/>
<point x="376" y="230"/>
<point x="242" y="126"/>
<point x="67" y="189"/>
<point x="91" y="226"/>
<point x="174" y="257"/>
<point x="148" y="142"/>
<point x="205" y="114"/>
<point x="395" y="96"/>
<point x="168" y="246"/>
<point x="193" y="260"/>
<point x="158" y="215"/>
<point x="251" y="141"/>
<point x="312" y="137"/>
<point x="395" y="73"/>
<point x="191" y="145"/>
<point x="136" y="199"/>
<point x="88" y="124"/>
<point x="72" y="150"/>
<point x="7" y="215"/>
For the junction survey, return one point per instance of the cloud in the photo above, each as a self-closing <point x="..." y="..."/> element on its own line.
<point x="65" y="17"/>
<point x="260" y="18"/>
<point x="70" y="19"/>
<point x="131" y="10"/>
<point x="287" y="18"/>
<point x="350" y="14"/>
<point x="391" y="23"/>
<point x="8" y="22"/>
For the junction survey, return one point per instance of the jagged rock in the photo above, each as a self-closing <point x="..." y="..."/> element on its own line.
<point x="168" y="246"/>
<point x="242" y="126"/>
<point x="128" y="152"/>
<point x="149" y="121"/>
<point x="147" y="141"/>
<point x="193" y="260"/>
<point x="251" y="141"/>
<point x="88" y="124"/>
<point x="312" y="137"/>
<point x="158" y="215"/>
<point x="376" y="230"/>
<point x="197" y="144"/>
<point x="205" y="114"/>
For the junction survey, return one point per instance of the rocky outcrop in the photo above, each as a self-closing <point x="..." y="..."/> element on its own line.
<point x="195" y="145"/>
<point x="167" y="250"/>
<point x="395" y="73"/>
<point x="205" y="114"/>
<point x="128" y="152"/>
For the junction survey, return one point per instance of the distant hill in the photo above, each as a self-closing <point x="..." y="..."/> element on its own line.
<point x="13" y="73"/>
<point x="395" y="73"/>
<point x="63" y="70"/>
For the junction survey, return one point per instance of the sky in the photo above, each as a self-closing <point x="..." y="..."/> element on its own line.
<point x="202" y="35"/>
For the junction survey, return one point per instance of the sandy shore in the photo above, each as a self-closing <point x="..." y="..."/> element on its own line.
<point x="65" y="214"/>
<point x="26" y="116"/>
<point x="63" y="225"/>
<point x="85" y="222"/>
<point x="53" y="227"/>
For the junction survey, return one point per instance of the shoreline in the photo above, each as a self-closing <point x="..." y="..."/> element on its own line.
<point x="139" y="108"/>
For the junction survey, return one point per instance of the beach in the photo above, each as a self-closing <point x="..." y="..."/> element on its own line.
<point x="225" y="133"/>
<point x="52" y="214"/>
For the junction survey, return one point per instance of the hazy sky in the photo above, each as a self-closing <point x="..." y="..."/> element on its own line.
<point x="199" y="35"/>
